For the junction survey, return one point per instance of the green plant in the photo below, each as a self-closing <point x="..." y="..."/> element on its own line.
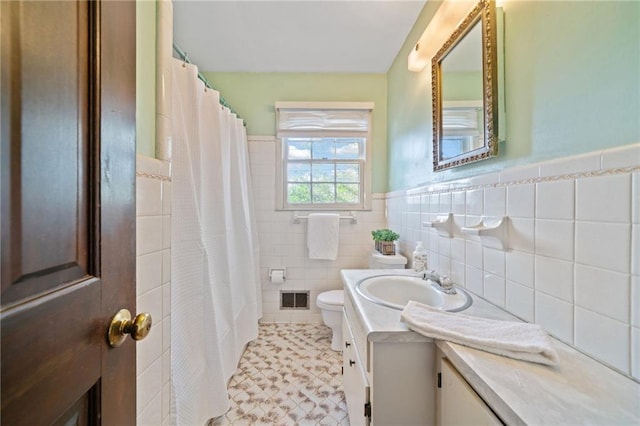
<point x="384" y="235"/>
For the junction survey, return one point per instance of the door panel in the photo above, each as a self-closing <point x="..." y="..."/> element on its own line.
<point x="50" y="355"/>
<point x="83" y="412"/>
<point x="67" y="210"/>
<point x="45" y="238"/>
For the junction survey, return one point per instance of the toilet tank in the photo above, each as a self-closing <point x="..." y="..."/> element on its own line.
<point x="380" y="261"/>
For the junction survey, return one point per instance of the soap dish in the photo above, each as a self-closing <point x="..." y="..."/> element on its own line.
<point x="493" y="232"/>
<point x="442" y="224"/>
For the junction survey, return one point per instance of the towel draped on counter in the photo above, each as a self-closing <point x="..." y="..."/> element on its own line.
<point x="519" y="340"/>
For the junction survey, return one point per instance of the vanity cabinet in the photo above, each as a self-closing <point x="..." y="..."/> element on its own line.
<point x="457" y="402"/>
<point x="354" y="379"/>
<point x="386" y="381"/>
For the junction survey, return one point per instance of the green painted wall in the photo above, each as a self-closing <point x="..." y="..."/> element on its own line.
<point x="146" y="77"/>
<point x="572" y="85"/>
<point x="252" y="96"/>
<point x="462" y="86"/>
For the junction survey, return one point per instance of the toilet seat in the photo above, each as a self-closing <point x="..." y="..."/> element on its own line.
<point x="332" y="300"/>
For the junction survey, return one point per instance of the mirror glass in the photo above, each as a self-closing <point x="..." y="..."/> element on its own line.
<point x="464" y="118"/>
<point x="462" y="103"/>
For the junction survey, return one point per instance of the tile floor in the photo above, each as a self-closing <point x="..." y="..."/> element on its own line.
<point x="288" y="376"/>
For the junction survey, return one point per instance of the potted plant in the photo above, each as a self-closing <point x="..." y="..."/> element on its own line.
<point x="384" y="239"/>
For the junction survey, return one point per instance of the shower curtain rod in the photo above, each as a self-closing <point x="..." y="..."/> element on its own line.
<point x="184" y="57"/>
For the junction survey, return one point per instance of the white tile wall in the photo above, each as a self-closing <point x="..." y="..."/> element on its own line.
<point x="520" y="201"/>
<point x="555" y="200"/>
<point x="153" y="289"/>
<point x="458" y="249"/>
<point x="554" y="238"/>
<point x="568" y="165"/>
<point x="635" y="301"/>
<point x="283" y="244"/>
<point x="494" y="289"/>
<point x="574" y="237"/>
<point x="635" y="263"/>
<point x="604" y="198"/>
<point x="604" y="338"/>
<point x="603" y="244"/>
<point x="635" y="351"/>
<point x="520" y="300"/>
<point x="602" y="291"/>
<point x="554" y="277"/>
<point x="635" y="248"/>
<point x="458" y="203"/>
<point x="475" y="202"/>
<point x="520" y="173"/>
<point x="573" y="265"/>
<point x="521" y="235"/>
<point x="635" y="199"/>
<point x="474" y="254"/>
<point x="495" y="201"/>
<point x="494" y="261"/>
<point x="473" y="279"/>
<point x="519" y="267"/>
<point x="555" y="315"/>
<point x="623" y="156"/>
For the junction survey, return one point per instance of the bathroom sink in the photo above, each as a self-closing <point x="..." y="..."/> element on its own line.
<point x="395" y="291"/>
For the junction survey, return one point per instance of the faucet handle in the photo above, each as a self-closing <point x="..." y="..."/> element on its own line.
<point x="447" y="285"/>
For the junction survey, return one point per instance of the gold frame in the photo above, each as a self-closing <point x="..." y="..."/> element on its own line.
<point x="484" y="11"/>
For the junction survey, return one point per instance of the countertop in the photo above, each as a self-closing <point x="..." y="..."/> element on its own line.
<point x="580" y="390"/>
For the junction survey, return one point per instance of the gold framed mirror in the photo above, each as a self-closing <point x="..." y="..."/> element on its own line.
<point x="464" y="88"/>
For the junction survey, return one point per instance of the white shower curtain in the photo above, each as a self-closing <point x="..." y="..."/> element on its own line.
<point x="215" y="301"/>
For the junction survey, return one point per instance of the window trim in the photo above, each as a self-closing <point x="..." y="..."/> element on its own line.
<point x="281" y="161"/>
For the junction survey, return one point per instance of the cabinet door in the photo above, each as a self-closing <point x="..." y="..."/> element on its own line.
<point x="459" y="403"/>
<point x="354" y="380"/>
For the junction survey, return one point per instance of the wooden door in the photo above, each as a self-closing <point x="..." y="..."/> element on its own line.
<point x="67" y="210"/>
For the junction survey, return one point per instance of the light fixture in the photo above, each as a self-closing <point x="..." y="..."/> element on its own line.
<point x="441" y="26"/>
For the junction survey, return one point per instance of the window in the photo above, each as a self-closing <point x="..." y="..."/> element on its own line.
<point x="462" y="127"/>
<point x="324" y="155"/>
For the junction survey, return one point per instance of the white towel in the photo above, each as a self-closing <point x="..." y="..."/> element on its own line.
<point x="517" y="340"/>
<point x="323" y="235"/>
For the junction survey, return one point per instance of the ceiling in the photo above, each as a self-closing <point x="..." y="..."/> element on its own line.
<point x="361" y="36"/>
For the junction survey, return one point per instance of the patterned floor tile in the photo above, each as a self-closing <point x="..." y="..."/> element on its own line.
<point x="288" y="376"/>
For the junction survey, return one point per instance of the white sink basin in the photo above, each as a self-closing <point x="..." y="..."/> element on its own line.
<point x="395" y="291"/>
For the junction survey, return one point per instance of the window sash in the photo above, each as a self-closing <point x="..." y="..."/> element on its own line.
<point x="335" y="196"/>
<point x="359" y="163"/>
<point x="309" y="120"/>
<point x="313" y="182"/>
<point x="313" y="143"/>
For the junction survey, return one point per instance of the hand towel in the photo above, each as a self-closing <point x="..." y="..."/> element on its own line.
<point x="323" y="235"/>
<point x="519" y="340"/>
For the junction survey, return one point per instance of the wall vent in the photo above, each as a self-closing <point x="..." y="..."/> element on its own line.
<point x="294" y="299"/>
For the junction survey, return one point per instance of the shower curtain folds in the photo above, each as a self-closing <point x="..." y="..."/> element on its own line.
<point x="215" y="304"/>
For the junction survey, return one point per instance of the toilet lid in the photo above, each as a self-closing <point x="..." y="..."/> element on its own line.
<point x="333" y="297"/>
<point x="393" y="259"/>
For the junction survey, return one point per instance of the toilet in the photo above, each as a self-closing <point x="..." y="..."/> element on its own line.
<point x="331" y="302"/>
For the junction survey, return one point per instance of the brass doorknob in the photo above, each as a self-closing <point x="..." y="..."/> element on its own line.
<point x="121" y="325"/>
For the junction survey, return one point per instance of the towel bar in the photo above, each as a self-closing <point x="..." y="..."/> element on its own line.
<point x="297" y="218"/>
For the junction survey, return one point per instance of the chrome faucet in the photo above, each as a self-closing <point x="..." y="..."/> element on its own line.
<point x="431" y="275"/>
<point x="440" y="282"/>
